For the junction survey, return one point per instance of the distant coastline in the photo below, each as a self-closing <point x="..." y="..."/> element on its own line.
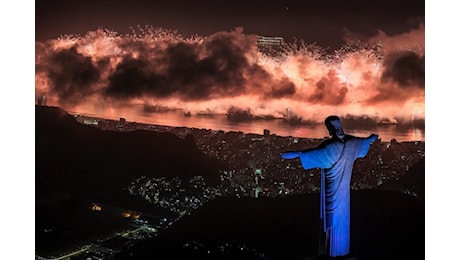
<point x="241" y="121"/>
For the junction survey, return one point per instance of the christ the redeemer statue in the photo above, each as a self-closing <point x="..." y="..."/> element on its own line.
<point x="335" y="157"/>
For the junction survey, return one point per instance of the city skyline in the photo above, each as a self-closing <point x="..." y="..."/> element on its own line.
<point x="215" y="166"/>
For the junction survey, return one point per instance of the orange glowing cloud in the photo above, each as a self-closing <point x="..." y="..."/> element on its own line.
<point x="106" y="72"/>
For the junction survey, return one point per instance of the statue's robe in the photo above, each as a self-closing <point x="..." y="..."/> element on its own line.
<point x="335" y="158"/>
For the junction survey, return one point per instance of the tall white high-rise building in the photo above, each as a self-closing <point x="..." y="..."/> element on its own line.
<point x="41" y="101"/>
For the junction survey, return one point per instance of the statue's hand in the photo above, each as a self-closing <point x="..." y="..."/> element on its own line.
<point x="373" y="137"/>
<point x="290" y="155"/>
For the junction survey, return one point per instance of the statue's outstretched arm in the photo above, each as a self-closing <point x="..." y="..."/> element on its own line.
<point x="294" y="154"/>
<point x="290" y="155"/>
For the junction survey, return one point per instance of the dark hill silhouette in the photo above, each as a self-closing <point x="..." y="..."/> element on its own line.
<point x="412" y="181"/>
<point x="89" y="163"/>
<point x="76" y="162"/>
<point x="384" y="225"/>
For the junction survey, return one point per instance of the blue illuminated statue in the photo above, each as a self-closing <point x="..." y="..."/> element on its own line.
<point x="335" y="157"/>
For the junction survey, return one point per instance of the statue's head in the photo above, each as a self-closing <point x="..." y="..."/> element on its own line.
<point x="334" y="126"/>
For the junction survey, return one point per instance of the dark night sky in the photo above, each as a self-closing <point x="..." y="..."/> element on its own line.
<point x="322" y="22"/>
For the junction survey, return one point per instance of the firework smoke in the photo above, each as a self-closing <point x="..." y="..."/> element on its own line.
<point x="104" y="73"/>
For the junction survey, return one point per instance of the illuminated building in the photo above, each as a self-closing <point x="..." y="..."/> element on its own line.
<point x="41" y="100"/>
<point x="265" y="41"/>
<point x="258" y="174"/>
<point x="257" y="178"/>
<point x="258" y="190"/>
<point x="89" y="121"/>
<point x="96" y="207"/>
